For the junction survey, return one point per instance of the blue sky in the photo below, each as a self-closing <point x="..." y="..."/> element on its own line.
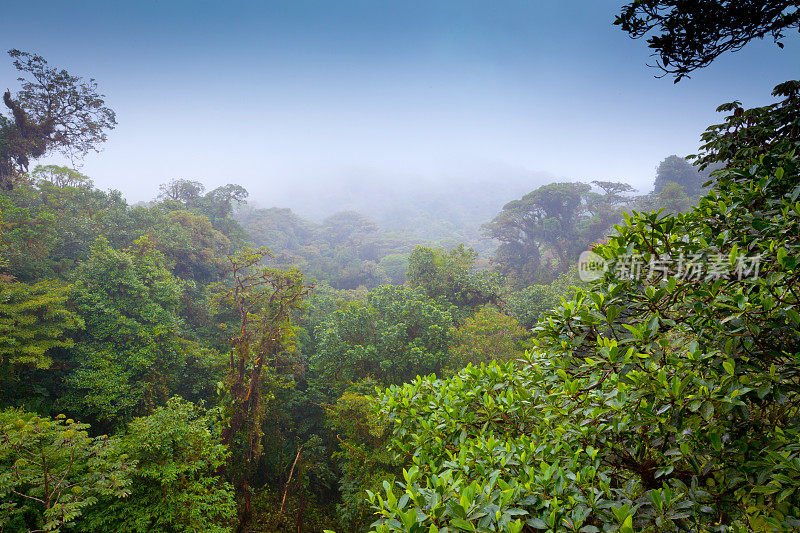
<point x="282" y="96"/>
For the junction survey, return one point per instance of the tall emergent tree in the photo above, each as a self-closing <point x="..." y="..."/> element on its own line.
<point x="53" y="111"/>
<point x="262" y="302"/>
<point x="181" y="190"/>
<point x="557" y="220"/>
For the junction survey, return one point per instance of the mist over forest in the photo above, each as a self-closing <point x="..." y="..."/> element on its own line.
<point x="384" y="267"/>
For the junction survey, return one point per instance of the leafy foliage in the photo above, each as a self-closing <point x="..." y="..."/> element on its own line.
<point x="450" y="275"/>
<point x="343" y="250"/>
<point x="193" y="247"/>
<point x="33" y="321"/>
<point x="678" y="170"/>
<point x="543" y="233"/>
<point x="395" y="267"/>
<point x="392" y="336"/>
<point x="671" y="199"/>
<point x="130" y="348"/>
<point x="54" y="110"/>
<point x="59" y="176"/>
<point x="693" y="34"/>
<point x="47" y="229"/>
<point x="263" y="301"/>
<point x="175" y="486"/>
<point x="531" y="303"/>
<point x="51" y="471"/>
<point x="485" y="336"/>
<point x="365" y="458"/>
<point x="659" y="402"/>
<point x="649" y="402"/>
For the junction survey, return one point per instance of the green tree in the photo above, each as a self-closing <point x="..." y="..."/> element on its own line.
<point x="531" y="303"/>
<point x="673" y="199"/>
<point x="49" y="226"/>
<point x="485" y="336"/>
<point x="450" y="275"/>
<point x="276" y="228"/>
<point x="346" y="250"/>
<point x="175" y="486"/>
<point x="558" y="220"/>
<point x="260" y="303"/>
<point x="654" y="402"/>
<point x="364" y="456"/>
<point x="394" y="266"/>
<point x="53" y="110"/>
<point x="59" y="176"/>
<point x="347" y="227"/>
<point x="37" y="329"/>
<point x="34" y="320"/>
<point x="678" y="170"/>
<point x="52" y="471"/>
<point x="223" y="200"/>
<point x="392" y="336"/>
<point x="194" y="249"/>
<point x="181" y="190"/>
<point x="130" y="354"/>
<point x="615" y="193"/>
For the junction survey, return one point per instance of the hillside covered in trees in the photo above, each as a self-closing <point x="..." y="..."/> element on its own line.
<point x="526" y="239"/>
<point x="201" y="363"/>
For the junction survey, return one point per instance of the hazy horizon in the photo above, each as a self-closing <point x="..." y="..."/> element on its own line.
<point x="297" y="98"/>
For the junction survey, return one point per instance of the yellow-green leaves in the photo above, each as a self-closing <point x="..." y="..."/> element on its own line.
<point x="34" y="319"/>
